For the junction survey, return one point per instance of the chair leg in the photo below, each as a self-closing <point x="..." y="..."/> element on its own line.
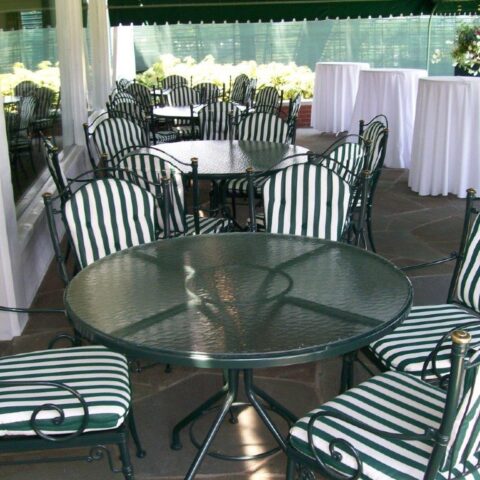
<point x="133" y="430"/>
<point x="347" y="379"/>
<point x="234" y="206"/>
<point x="369" y="229"/>
<point x="127" y="468"/>
<point x="291" y="467"/>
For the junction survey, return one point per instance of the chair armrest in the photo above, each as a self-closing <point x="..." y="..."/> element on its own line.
<point x="338" y="443"/>
<point x="452" y="256"/>
<point x="51" y="406"/>
<point x="432" y="357"/>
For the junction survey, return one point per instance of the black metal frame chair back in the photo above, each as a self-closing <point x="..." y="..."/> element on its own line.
<point x="293" y="109"/>
<point x="50" y="151"/>
<point x="215" y="121"/>
<point x="111" y="135"/>
<point x="238" y="90"/>
<point x="376" y="132"/>
<point x="162" y="175"/>
<point x="172" y="81"/>
<point x="122" y="84"/>
<point x="293" y="182"/>
<point x="25" y="88"/>
<point x="142" y="94"/>
<point x="451" y="453"/>
<point x="267" y="99"/>
<point x="208" y="92"/>
<point x="67" y="400"/>
<point x="262" y="126"/>
<point x="103" y="216"/>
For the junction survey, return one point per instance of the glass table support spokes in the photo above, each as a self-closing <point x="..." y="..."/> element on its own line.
<point x="229" y="393"/>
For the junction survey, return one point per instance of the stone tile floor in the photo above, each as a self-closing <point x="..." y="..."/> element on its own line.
<point x="408" y="229"/>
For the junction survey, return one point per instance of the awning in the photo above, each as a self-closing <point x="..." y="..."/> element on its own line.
<point x="196" y="11"/>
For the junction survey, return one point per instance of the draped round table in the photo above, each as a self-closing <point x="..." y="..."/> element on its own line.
<point x="334" y="94"/>
<point x="237" y="302"/>
<point x="391" y="92"/>
<point x="446" y="139"/>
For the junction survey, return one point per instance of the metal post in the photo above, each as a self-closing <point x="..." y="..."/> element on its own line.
<point x="251" y="200"/>
<point x="196" y="195"/>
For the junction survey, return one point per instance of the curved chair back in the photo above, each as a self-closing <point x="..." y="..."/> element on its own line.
<point x="173" y="81"/>
<point x="267" y="99"/>
<point x="121" y="95"/>
<point x="239" y="89"/>
<point x="26" y="88"/>
<point x="208" y="92"/>
<point x="183" y="96"/>
<point x="142" y="95"/>
<point x="215" y="120"/>
<point x="293" y="111"/>
<point x="106" y="216"/>
<point x="122" y="84"/>
<point x="307" y="199"/>
<point x="112" y="135"/>
<point x="376" y="133"/>
<point x="261" y="126"/>
<point x="152" y="166"/>
<point x="27" y="113"/>
<point x="44" y="101"/>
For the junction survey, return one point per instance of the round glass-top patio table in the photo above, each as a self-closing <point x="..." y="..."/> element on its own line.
<point x="238" y="301"/>
<point x="230" y="158"/>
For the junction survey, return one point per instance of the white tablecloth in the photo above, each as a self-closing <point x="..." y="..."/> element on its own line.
<point x="334" y="94"/>
<point x="391" y="92"/>
<point x="446" y="140"/>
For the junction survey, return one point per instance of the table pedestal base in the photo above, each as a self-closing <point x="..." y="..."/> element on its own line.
<point x="230" y="392"/>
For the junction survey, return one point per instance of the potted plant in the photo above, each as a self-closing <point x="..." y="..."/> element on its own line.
<point x="466" y="51"/>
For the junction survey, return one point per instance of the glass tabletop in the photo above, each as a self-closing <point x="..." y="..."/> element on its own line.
<point x="231" y="157"/>
<point x="240" y="300"/>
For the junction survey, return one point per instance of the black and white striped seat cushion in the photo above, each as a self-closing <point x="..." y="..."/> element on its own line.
<point x="392" y="402"/>
<point x="207" y="225"/>
<point x="99" y="375"/>
<point x="166" y="136"/>
<point x="239" y="186"/>
<point x="407" y="347"/>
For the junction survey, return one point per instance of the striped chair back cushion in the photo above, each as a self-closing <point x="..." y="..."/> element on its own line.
<point x="149" y="169"/>
<point x="465" y="437"/>
<point x="239" y="89"/>
<point x="468" y="284"/>
<point x="308" y="200"/>
<point x="113" y="135"/>
<point x="122" y="96"/>
<point x="108" y="215"/>
<point x="26" y="88"/>
<point x="130" y="110"/>
<point x="27" y="112"/>
<point x="141" y="93"/>
<point x="44" y="100"/>
<point x="347" y="160"/>
<point x="263" y="126"/>
<point x="183" y="96"/>
<point x="173" y="81"/>
<point x="123" y="84"/>
<point x="208" y="92"/>
<point x="375" y="134"/>
<point x="268" y="98"/>
<point x="214" y="121"/>
<point x="295" y="105"/>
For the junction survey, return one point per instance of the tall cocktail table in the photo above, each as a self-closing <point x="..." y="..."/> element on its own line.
<point x="237" y="302"/>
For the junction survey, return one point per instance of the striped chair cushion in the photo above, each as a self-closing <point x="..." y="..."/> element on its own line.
<point x="374" y="133"/>
<point x="239" y="89"/>
<point x="183" y="96"/>
<point x="468" y="284"/>
<point x="108" y="215"/>
<point x="207" y="225"/>
<point x="214" y="121"/>
<point x="174" y="81"/>
<point x="262" y="126"/>
<point x="267" y="98"/>
<point x="239" y="186"/>
<point x="306" y="199"/>
<point x="166" y="136"/>
<point x="152" y="167"/>
<point x="113" y="135"/>
<point x="347" y="160"/>
<point x="393" y="402"/>
<point x="99" y="375"/>
<point x="407" y="347"/>
<point x="141" y="93"/>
